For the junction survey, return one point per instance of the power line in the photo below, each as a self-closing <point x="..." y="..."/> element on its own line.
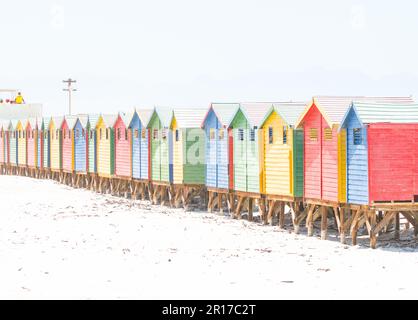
<point x="69" y="89"/>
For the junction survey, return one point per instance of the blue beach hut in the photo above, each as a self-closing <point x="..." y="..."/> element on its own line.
<point x="140" y="143"/>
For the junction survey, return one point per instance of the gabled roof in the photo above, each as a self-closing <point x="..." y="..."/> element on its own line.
<point x="254" y="112"/>
<point x="333" y="108"/>
<point x="92" y="119"/>
<point x="164" y="114"/>
<point x="127" y="117"/>
<point x="46" y="121"/>
<point x="14" y="123"/>
<point x="57" y="121"/>
<point x="32" y="121"/>
<point x="144" y="115"/>
<point x="5" y="124"/>
<point x="109" y="119"/>
<point x="189" y="117"/>
<point x="225" y="112"/>
<point x="288" y="111"/>
<point x="383" y="113"/>
<point x="83" y="120"/>
<point x="71" y="121"/>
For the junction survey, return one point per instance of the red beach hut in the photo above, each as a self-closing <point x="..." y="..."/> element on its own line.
<point x="31" y="129"/>
<point x="67" y="143"/>
<point x="123" y="145"/>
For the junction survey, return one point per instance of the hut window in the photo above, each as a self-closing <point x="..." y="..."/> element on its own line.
<point x="164" y="134"/>
<point x="83" y="133"/>
<point x="357" y="137"/>
<point x="45" y="135"/>
<point x="221" y="134"/>
<point x="328" y="134"/>
<point x="126" y="134"/>
<point x="91" y="134"/>
<point x="177" y="134"/>
<point x="155" y="134"/>
<point x="270" y="135"/>
<point x="56" y="134"/>
<point x="252" y="135"/>
<point x="241" y="134"/>
<point x="1" y="134"/>
<point x="136" y="134"/>
<point x="118" y="133"/>
<point x="313" y="134"/>
<point x="212" y="134"/>
<point x="33" y="133"/>
<point x="65" y="133"/>
<point x="77" y="133"/>
<point x="100" y="133"/>
<point x="107" y="134"/>
<point x="143" y="133"/>
<point x="284" y="134"/>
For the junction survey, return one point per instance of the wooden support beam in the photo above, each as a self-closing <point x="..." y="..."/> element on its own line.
<point x="210" y="200"/>
<point x="231" y="204"/>
<point x="397" y="226"/>
<point x="241" y="201"/>
<point x="281" y="209"/>
<point x="220" y="205"/>
<point x="338" y="217"/>
<point x="411" y="217"/>
<point x="262" y="207"/>
<point x="299" y="217"/>
<point x="355" y="226"/>
<point x="385" y="220"/>
<point x="373" y="230"/>
<point x="250" y="209"/>
<point x="309" y="220"/>
<point x="324" y="222"/>
<point x="272" y="209"/>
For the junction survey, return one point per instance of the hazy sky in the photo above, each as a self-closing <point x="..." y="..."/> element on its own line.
<point x="191" y="52"/>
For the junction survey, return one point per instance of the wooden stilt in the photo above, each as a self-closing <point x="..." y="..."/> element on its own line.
<point x="262" y="207"/>
<point x="239" y="207"/>
<point x="231" y="204"/>
<point x="281" y="209"/>
<point x="210" y="200"/>
<point x="309" y="220"/>
<point x="354" y="227"/>
<point x="220" y="207"/>
<point x="300" y="217"/>
<point x="272" y="208"/>
<point x="250" y="209"/>
<point x="324" y="222"/>
<point x="397" y="226"/>
<point x="372" y="228"/>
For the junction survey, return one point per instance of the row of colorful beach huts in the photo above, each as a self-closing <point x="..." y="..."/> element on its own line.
<point x="351" y="158"/>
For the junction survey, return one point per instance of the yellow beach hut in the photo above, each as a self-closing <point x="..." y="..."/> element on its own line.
<point x="21" y="143"/>
<point x="282" y="164"/>
<point x="55" y="141"/>
<point x="105" y="145"/>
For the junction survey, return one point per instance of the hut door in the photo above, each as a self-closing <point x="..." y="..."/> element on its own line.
<point x="231" y="158"/>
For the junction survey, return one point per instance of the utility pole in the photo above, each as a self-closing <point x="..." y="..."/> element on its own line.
<point x="70" y="89"/>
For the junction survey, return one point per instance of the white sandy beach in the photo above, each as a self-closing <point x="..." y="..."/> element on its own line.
<point x="62" y="243"/>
